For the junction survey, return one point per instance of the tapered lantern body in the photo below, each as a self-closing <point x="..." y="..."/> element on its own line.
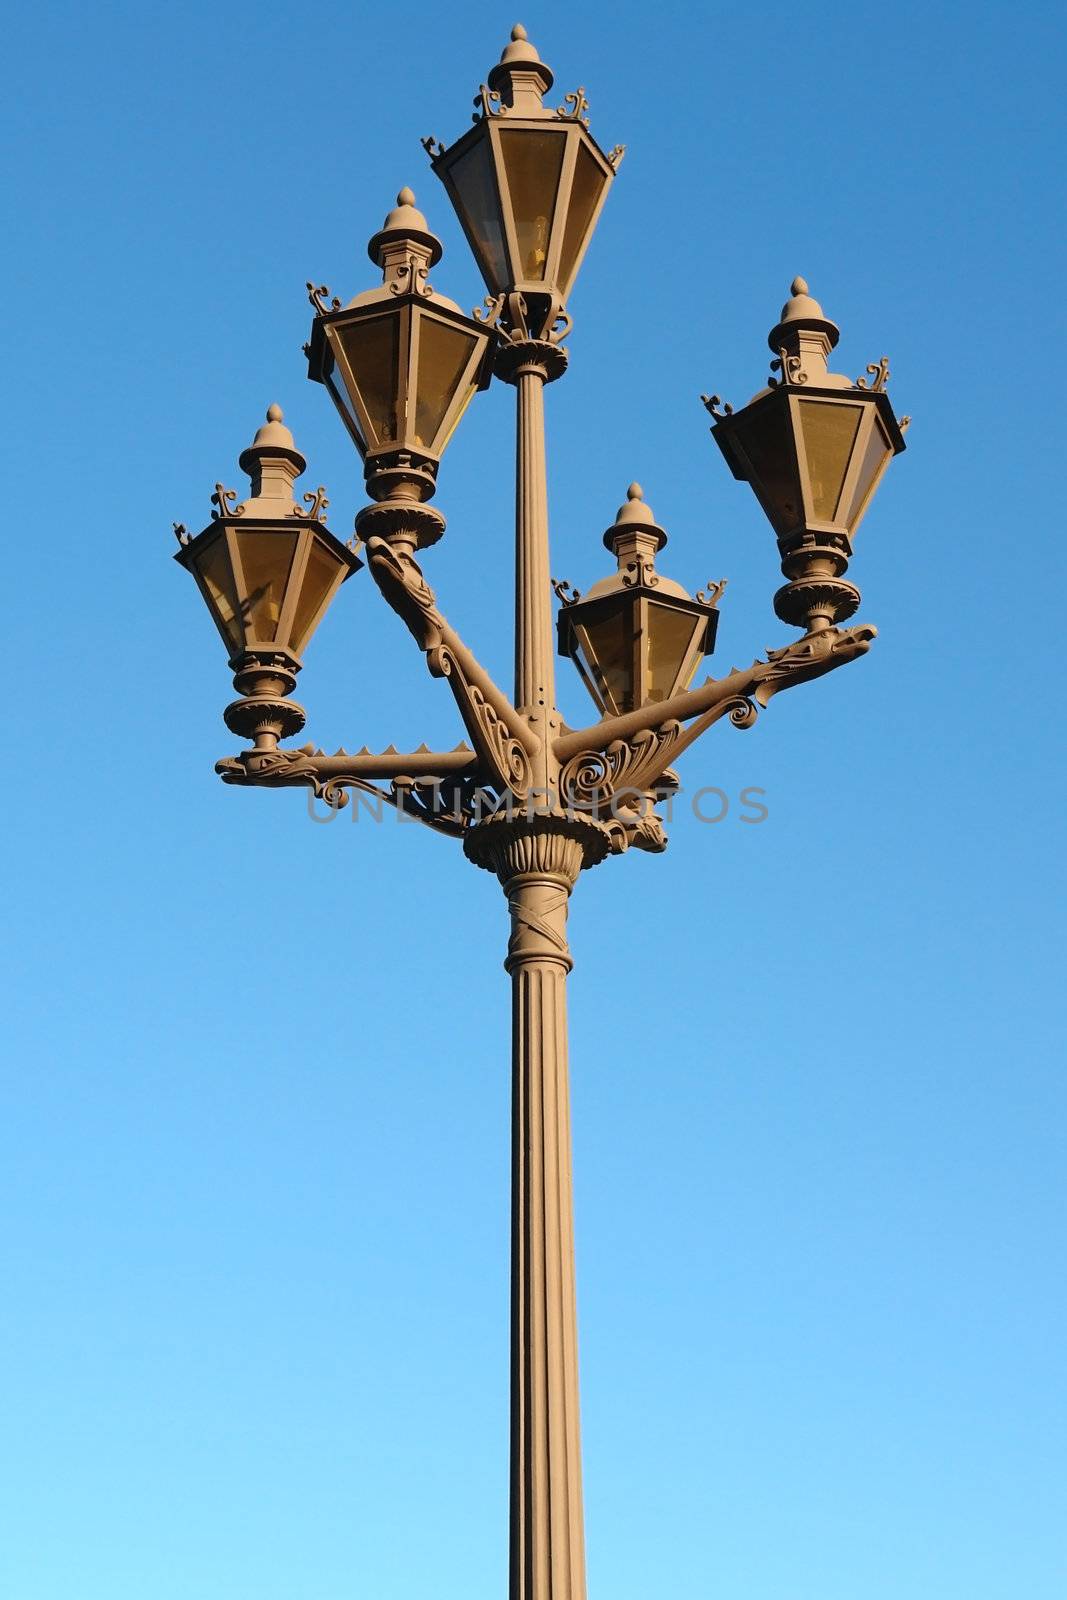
<point x="267" y="569"/>
<point x="528" y="183"/>
<point x="813" y="446"/>
<point x="636" y="637"/>
<point x="401" y="362"/>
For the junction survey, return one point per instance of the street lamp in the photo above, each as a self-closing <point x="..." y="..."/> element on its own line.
<point x="532" y="800"/>
<point x="814" y="445"/>
<point x="528" y="184"/>
<point x="637" y="637"/>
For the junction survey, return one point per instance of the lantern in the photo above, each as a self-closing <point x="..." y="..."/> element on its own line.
<point x="401" y="362"/>
<point x="267" y="569"/>
<point x="527" y="183"/>
<point x="813" y="445"/>
<point x="636" y="637"/>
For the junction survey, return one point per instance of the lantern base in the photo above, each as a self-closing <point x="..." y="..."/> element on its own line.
<point x="816" y="603"/>
<point x="264" y="678"/>
<point x="404" y="524"/>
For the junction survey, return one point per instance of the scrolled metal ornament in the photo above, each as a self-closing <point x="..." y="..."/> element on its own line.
<point x="321" y="298"/>
<point x="879" y="376"/>
<point x="574" y="107"/>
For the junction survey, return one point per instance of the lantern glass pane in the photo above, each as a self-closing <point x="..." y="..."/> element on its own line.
<point x="266" y="560"/>
<point x="215" y="573"/>
<point x="829" y="433"/>
<point x="533" y="162"/>
<point x="372" y="352"/>
<point x="479" y="206"/>
<point x="444" y="356"/>
<point x="588" y="186"/>
<point x="668" y="646"/>
<point x="767" y="441"/>
<point x="875" y="456"/>
<point x="607" y="647"/>
<point x="321" y="576"/>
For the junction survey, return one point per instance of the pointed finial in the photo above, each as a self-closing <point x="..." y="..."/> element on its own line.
<point x="272" y="461"/>
<point x="802" y="313"/>
<point x="635" y="516"/>
<point x="520" y="76"/>
<point x="404" y="224"/>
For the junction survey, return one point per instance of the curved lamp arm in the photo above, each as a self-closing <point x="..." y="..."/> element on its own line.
<point x="504" y="742"/>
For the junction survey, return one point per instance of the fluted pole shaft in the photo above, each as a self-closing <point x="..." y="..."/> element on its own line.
<point x="535" y="677"/>
<point x="547" y="1537"/>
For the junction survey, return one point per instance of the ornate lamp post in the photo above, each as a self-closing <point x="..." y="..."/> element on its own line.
<point x="532" y="800"/>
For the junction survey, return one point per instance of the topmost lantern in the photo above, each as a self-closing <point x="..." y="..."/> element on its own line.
<point x="527" y="182"/>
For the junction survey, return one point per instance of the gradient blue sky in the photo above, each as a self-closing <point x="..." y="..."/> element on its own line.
<point x="255" y="1124"/>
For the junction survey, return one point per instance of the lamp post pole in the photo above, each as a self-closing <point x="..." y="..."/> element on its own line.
<point x="532" y="801"/>
<point x="538" y="867"/>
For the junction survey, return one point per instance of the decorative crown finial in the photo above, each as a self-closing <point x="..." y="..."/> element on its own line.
<point x="275" y="413"/>
<point x="801" y="312"/>
<point x="520" y="77"/>
<point x="405" y="225"/>
<point x="635" y="492"/>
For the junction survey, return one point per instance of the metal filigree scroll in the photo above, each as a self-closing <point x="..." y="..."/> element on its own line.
<point x="487" y="103"/>
<point x="574" y="107"/>
<point x="321" y="299"/>
<point x="879" y="376"/>
<point x="316" y="506"/>
<point x="488" y="313"/>
<point x="615" y="155"/>
<point x="225" y="502"/>
<point x="566" y="593"/>
<point x="433" y="147"/>
<point x="412" y="277"/>
<point x="789" y="367"/>
<point x="713" y="593"/>
<point x="712" y="402"/>
<point x="591" y="780"/>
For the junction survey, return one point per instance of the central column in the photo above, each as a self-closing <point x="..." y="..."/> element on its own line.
<point x="529" y="364"/>
<point x="538" y="863"/>
<point x="547" y="1536"/>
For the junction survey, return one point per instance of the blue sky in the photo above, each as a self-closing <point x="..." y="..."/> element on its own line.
<point x="255" y="1124"/>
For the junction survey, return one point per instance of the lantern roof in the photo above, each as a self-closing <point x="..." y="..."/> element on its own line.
<point x="405" y="224"/>
<point x="802" y="311"/>
<point x="273" y="463"/>
<point x="634" y="538"/>
<point x="405" y="248"/>
<point x="520" y="77"/>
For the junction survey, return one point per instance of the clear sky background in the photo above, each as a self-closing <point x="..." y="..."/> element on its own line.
<point x="255" y="1126"/>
